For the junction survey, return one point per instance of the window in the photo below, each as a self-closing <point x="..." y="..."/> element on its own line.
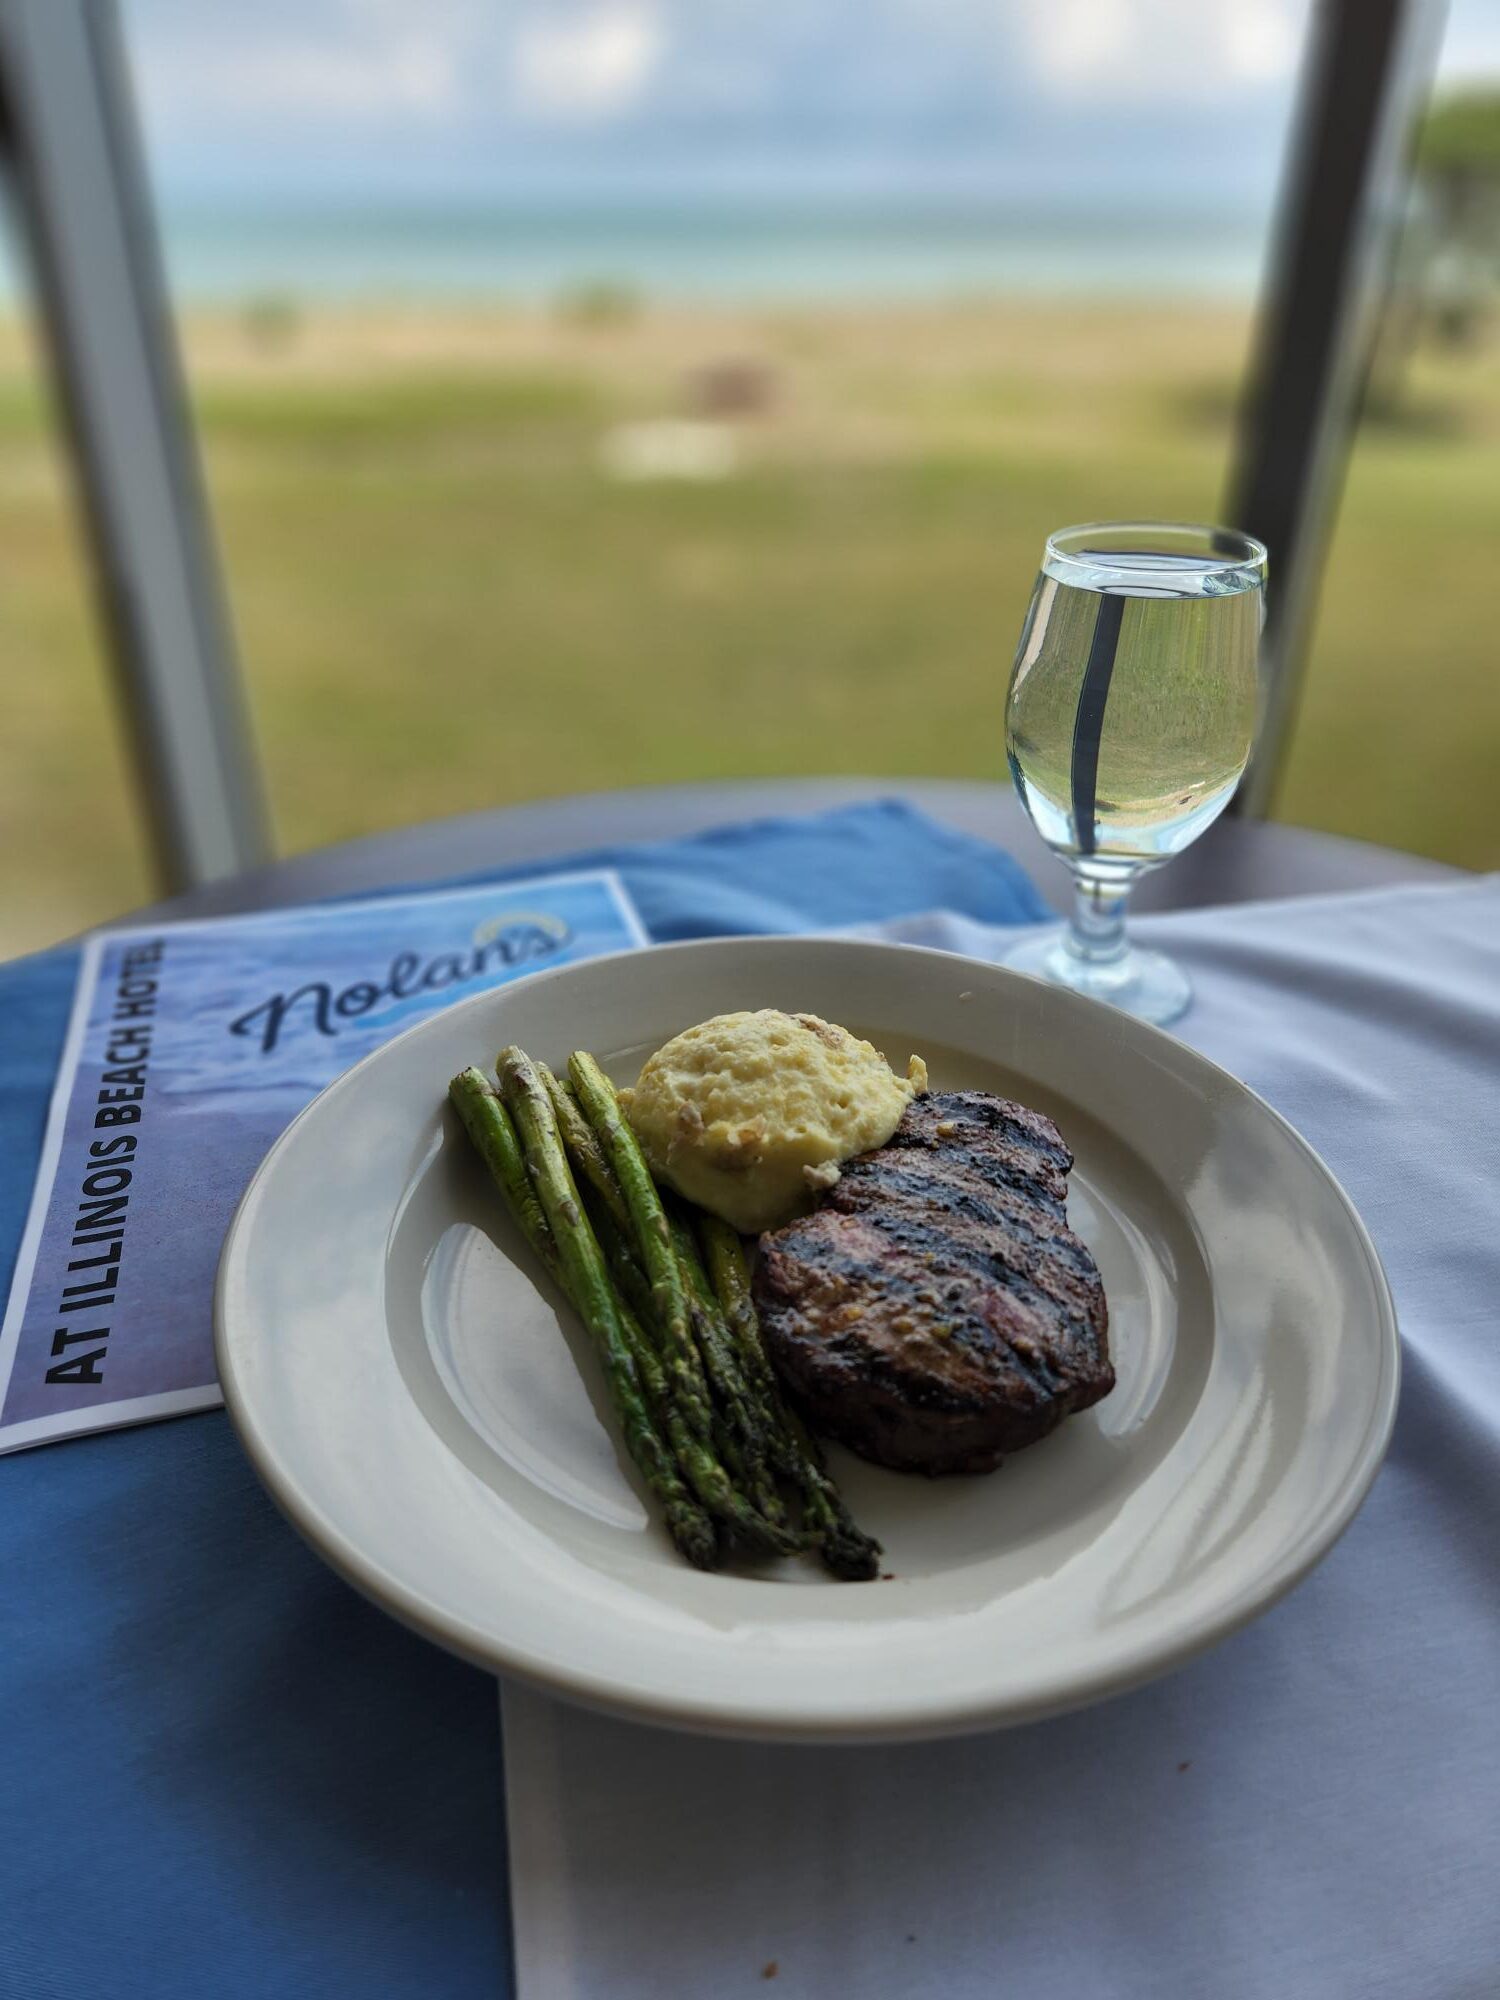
<point x="631" y="391"/>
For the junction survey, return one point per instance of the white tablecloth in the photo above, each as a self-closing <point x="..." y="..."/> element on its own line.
<point x="1313" y="1809"/>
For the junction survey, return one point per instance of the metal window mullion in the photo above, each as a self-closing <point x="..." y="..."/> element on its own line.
<point x="1368" y="67"/>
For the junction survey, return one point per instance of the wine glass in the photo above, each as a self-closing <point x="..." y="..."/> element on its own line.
<point x="1129" y="720"/>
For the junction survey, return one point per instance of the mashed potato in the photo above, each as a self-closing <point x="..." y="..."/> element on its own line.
<point x="749" y="1115"/>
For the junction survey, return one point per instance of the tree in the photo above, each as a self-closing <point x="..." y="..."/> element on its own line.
<point x="1446" y="269"/>
<point x="1457" y="174"/>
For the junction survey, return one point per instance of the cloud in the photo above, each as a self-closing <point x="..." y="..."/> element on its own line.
<point x="1160" y="51"/>
<point x="590" y="65"/>
<point x="409" y="76"/>
<point x="319" y="64"/>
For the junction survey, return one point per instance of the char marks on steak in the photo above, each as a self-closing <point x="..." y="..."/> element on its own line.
<point x="937" y="1312"/>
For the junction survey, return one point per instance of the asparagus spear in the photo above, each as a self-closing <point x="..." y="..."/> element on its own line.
<point x="735" y="1424"/>
<point x="604" y="1200"/>
<point x="586" y="1279"/>
<point x="747" y="1467"/>
<point x="652" y="1240"/>
<point x="847" y="1551"/>
<point x="642" y="1252"/>
<point x="635" y="1289"/>
<point x="591" y="1285"/>
<point x="489" y="1126"/>
<point x="744" y="1413"/>
<point x="724" y="1254"/>
<point x="694" y="1460"/>
<point x="624" y="1265"/>
<point x="585" y="1154"/>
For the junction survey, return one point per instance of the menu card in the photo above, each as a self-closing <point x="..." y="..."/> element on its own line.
<point x="190" y="1048"/>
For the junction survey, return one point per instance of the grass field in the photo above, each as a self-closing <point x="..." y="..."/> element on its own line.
<point x="445" y="599"/>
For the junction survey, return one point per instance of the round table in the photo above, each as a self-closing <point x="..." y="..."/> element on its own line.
<point x="1236" y="861"/>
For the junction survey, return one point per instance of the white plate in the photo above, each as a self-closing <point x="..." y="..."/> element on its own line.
<point x="431" y="1419"/>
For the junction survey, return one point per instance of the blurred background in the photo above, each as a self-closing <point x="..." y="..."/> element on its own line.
<point x="641" y="390"/>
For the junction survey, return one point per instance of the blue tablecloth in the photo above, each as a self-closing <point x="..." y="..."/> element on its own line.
<point x="224" y="1774"/>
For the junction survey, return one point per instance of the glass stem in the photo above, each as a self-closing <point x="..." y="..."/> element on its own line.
<point x="1096" y="929"/>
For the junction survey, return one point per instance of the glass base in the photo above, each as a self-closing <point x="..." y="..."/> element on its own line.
<point x="1143" y="983"/>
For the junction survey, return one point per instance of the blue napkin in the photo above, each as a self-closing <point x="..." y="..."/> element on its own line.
<point x="225" y="1774"/>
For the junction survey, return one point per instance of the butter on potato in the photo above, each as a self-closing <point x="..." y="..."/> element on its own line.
<point x="749" y="1115"/>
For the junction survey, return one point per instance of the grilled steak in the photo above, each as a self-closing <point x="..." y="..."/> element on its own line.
<point x="937" y="1312"/>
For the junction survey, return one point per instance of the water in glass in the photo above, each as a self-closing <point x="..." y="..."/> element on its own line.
<point x="1129" y="721"/>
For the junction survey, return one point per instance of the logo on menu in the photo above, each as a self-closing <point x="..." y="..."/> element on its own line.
<point x="499" y="943"/>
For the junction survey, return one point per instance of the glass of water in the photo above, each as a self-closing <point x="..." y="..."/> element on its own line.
<point x="1129" y="720"/>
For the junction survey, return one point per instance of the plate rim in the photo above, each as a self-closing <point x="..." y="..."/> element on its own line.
<point x="896" y="1721"/>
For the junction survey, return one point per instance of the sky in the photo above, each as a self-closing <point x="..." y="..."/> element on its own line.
<point x="489" y="98"/>
<point x="1182" y="104"/>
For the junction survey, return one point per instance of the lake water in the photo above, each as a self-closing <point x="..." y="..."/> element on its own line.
<point x="708" y="254"/>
